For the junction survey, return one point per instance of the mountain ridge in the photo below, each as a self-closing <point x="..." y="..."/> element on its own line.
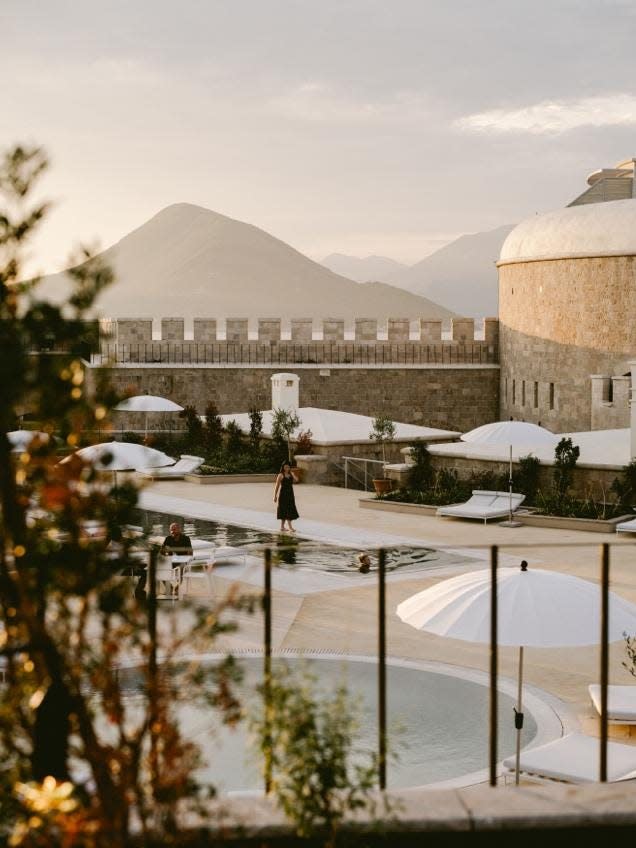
<point x="188" y="260"/>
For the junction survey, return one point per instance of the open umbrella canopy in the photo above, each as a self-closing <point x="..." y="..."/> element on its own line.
<point x="536" y="608"/>
<point x="122" y="456"/>
<point x="510" y="433"/>
<point x="21" y="439"/>
<point x="148" y="403"/>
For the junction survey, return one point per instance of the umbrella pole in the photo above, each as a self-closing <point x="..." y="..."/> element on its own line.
<point x="510" y="522"/>
<point x="519" y="715"/>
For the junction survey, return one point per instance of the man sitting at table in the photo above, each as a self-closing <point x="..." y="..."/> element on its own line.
<point x="176" y="543"/>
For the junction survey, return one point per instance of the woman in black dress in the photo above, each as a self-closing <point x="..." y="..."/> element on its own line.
<point x="284" y="495"/>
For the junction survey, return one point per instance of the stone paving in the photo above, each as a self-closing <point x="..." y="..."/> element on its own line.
<point x="341" y="616"/>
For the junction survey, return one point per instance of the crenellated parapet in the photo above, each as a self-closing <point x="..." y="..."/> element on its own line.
<point x="204" y="330"/>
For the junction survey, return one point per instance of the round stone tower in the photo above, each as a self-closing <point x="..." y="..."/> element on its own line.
<point x="567" y="312"/>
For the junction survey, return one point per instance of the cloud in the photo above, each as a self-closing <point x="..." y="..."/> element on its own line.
<point x="321" y="103"/>
<point x="556" y="116"/>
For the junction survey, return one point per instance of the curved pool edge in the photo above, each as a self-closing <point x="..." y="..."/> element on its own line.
<point x="553" y="717"/>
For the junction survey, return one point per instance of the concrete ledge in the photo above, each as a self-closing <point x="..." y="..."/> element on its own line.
<point x="212" y="479"/>
<point x="396" y="506"/>
<point x="501" y="816"/>
<point x="591" y="525"/>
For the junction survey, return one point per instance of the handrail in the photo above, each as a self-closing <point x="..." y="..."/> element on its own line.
<point x="360" y="459"/>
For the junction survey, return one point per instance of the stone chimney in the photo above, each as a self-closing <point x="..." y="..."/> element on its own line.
<point x="286" y="391"/>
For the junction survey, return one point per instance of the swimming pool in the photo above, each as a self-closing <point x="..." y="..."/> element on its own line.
<point x="438" y="722"/>
<point x="294" y="553"/>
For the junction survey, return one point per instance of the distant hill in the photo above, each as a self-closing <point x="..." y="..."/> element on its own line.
<point x="461" y="275"/>
<point x="363" y="270"/>
<point x="188" y="261"/>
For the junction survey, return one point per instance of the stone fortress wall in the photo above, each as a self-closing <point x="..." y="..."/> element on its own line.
<point x="413" y="370"/>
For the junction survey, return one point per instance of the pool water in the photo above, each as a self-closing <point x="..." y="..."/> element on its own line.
<point x="297" y="554"/>
<point x="438" y="723"/>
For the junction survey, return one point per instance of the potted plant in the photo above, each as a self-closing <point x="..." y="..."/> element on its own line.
<point x="382" y="432"/>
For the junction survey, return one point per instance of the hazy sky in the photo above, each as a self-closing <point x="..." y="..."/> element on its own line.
<point x="355" y="126"/>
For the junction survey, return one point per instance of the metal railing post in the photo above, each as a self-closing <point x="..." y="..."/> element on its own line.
<point x="382" y="668"/>
<point x="267" y="667"/>
<point x="492" y="746"/>
<point x="605" y="565"/>
<point x="346" y="473"/>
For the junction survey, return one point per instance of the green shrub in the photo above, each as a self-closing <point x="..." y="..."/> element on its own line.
<point x="421" y="474"/>
<point x="624" y="487"/>
<point x="525" y="478"/>
<point x="566" y="455"/>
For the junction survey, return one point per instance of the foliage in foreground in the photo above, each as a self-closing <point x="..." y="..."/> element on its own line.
<point x="82" y="760"/>
<point x="318" y="775"/>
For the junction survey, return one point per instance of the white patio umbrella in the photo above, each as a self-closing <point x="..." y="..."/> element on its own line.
<point x="21" y="439"/>
<point x="148" y="403"/>
<point x="121" y="456"/>
<point x="536" y="608"/>
<point x="522" y="435"/>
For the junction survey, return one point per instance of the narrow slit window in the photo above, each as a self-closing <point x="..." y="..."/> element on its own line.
<point x="535" y="400"/>
<point x="551" y="395"/>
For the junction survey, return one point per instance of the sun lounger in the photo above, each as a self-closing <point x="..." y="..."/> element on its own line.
<point x="621" y="703"/>
<point x="484" y="505"/>
<point x="575" y="759"/>
<point x="626" y="526"/>
<point x="186" y="465"/>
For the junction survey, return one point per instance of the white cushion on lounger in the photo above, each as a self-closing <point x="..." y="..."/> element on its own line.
<point x="621" y="702"/>
<point x="483" y="505"/>
<point x="626" y="526"/>
<point x="575" y="759"/>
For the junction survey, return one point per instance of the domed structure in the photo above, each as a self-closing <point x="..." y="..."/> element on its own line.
<point x="567" y="310"/>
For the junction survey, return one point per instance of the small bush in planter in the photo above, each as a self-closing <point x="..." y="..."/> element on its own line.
<point x="382" y="432"/>
<point x="304" y="444"/>
<point x="421" y="473"/>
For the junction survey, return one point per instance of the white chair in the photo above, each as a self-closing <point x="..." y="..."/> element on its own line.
<point x="575" y="759"/>
<point x="186" y="465"/>
<point x="621" y="702"/>
<point x="198" y="571"/>
<point x="169" y="575"/>
<point x="484" y="505"/>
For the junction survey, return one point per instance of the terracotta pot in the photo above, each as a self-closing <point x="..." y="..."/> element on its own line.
<point x="382" y="486"/>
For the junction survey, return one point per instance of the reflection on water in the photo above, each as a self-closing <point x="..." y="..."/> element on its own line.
<point x="291" y="552"/>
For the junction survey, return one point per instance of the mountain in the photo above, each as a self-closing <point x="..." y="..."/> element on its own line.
<point x="362" y="269"/>
<point x="462" y="275"/>
<point x="188" y="261"/>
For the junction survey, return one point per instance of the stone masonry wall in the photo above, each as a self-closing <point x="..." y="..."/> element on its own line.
<point x="562" y="321"/>
<point x="454" y="398"/>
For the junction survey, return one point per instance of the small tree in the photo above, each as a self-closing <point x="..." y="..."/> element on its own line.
<point x="256" y="428"/>
<point x="304" y="444"/>
<point x="566" y="455"/>
<point x="213" y="430"/>
<point x="382" y="432"/>
<point x="234" y="435"/>
<point x="421" y="472"/>
<point x="284" y="422"/>
<point x="194" y="427"/>
<point x="317" y="773"/>
<point x="525" y="477"/>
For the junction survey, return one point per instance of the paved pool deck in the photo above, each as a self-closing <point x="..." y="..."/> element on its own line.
<point x="312" y="613"/>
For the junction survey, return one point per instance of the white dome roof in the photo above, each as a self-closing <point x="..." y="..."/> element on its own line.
<point x="595" y="229"/>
